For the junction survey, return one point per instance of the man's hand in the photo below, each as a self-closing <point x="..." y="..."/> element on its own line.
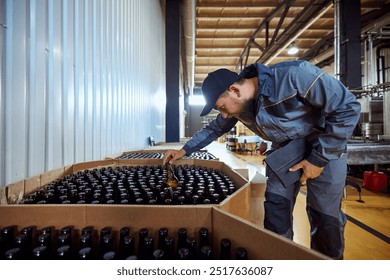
<point x="172" y="155"/>
<point x="310" y="171"/>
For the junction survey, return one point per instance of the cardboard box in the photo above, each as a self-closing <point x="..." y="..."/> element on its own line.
<point x="246" y="203"/>
<point x="14" y="193"/>
<point x="260" y="244"/>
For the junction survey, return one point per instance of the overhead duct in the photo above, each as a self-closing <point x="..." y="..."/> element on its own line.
<point x="189" y="40"/>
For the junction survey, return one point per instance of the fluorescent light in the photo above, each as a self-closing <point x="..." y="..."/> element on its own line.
<point x="293" y="49"/>
<point x="196" y="100"/>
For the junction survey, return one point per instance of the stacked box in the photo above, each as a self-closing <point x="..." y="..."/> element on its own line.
<point x="260" y="244"/>
<point x="13" y="193"/>
<point x="229" y="220"/>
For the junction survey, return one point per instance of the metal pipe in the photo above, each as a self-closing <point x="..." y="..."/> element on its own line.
<point x="337" y="39"/>
<point x="365" y="72"/>
<point x="371" y="60"/>
<point x="189" y="39"/>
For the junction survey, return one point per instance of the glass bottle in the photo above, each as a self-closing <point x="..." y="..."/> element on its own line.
<point x="225" y="249"/>
<point x="8" y="235"/>
<point x="64" y="253"/>
<point x="203" y="237"/>
<point x="206" y="253"/>
<point x="147" y="251"/>
<point x="13" y="254"/>
<point x="172" y="180"/>
<point x="67" y="230"/>
<point x="143" y="232"/>
<point x="41" y="253"/>
<point x="85" y="253"/>
<point x="169" y="247"/>
<point x="44" y="240"/>
<point x="22" y="241"/>
<point x="85" y="240"/>
<point x="162" y="233"/>
<point x="183" y="254"/>
<point x="64" y="239"/>
<point x="191" y="245"/>
<point x="126" y="248"/>
<point x="107" y="244"/>
<point x="87" y="230"/>
<point x="241" y="254"/>
<point x="159" y="254"/>
<point x="181" y="238"/>
<point x="110" y="255"/>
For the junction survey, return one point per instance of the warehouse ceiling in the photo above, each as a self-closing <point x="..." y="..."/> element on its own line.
<point x="235" y="33"/>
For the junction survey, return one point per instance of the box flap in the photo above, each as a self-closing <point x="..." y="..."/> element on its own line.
<point x="260" y="244"/>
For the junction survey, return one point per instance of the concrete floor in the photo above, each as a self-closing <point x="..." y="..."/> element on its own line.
<point x="367" y="233"/>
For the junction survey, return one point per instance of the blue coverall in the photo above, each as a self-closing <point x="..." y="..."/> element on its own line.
<point x="293" y="100"/>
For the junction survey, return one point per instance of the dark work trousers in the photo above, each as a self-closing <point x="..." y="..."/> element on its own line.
<point x="323" y="206"/>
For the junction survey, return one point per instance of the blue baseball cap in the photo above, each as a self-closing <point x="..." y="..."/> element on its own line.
<point x="214" y="85"/>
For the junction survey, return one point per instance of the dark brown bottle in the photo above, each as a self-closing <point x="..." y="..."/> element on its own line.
<point x="143" y="232"/>
<point x="13" y="254"/>
<point x="48" y="230"/>
<point x="64" y="253"/>
<point x="241" y="254"/>
<point x="85" y="240"/>
<point x="87" y="230"/>
<point x="162" y="233"/>
<point x="107" y="244"/>
<point x="8" y="235"/>
<point x="225" y="249"/>
<point x="85" y="253"/>
<point x="45" y="239"/>
<point x="126" y="247"/>
<point x="183" y="254"/>
<point x="182" y="238"/>
<point x="169" y="247"/>
<point x="191" y="245"/>
<point x="2" y="245"/>
<point x="203" y="237"/>
<point x="172" y="180"/>
<point x="206" y="253"/>
<point x="41" y="253"/>
<point x="110" y="255"/>
<point x="64" y="239"/>
<point x="23" y="242"/>
<point x="148" y="248"/>
<point x="159" y="254"/>
<point x="30" y="231"/>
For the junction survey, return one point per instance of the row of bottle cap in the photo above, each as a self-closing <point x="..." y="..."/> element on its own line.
<point x="69" y="243"/>
<point x="137" y="185"/>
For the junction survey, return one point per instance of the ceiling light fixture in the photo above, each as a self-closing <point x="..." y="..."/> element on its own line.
<point x="293" y="49"/>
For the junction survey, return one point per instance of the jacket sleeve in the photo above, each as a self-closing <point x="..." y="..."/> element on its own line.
<point x="211" y="132"/>
<point x="338" y="105"/>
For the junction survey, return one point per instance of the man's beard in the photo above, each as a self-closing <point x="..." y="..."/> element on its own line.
<point x="247" y="112"/>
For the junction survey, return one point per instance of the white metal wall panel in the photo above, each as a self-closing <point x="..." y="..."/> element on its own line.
<point x="2" y="87"/>
<point x="80" y="80"/>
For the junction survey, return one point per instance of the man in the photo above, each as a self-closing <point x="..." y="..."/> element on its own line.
<point x="280" y="103"/>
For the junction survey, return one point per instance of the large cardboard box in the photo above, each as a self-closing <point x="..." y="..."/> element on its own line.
<point x="13" y="193"/>
<point x="260" y="244"/>
<point x="247" y="202"/>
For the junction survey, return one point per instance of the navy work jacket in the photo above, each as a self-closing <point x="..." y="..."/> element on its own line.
<point x="294" y="99"/>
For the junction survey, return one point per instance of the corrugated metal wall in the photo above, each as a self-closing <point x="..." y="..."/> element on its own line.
<point x="80" y="80"/>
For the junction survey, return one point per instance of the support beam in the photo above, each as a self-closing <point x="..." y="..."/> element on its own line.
<point x="172" y="47"/>
<point x="350" y="54"/>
